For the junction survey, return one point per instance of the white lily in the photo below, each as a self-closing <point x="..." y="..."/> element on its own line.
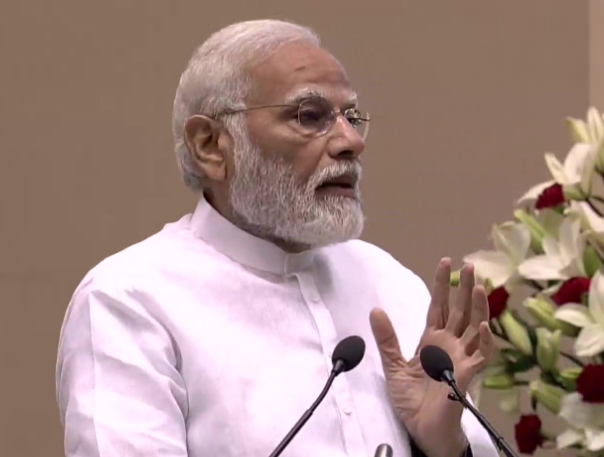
<point x="512" y="242"/>
<point x="587" y="421"/>
<point x="590" y="131"/>
<point x="590" y="319"/>
<point x="533" y="193"/>
<point x="563" y="258"/>
<point x="574" y="175"/>
<point x="592" y="223"/>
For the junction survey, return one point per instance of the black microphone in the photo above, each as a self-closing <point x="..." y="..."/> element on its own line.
<point x="438" y="365"/>
<point x="383" y="450"/>
<point x="347" y="355"/>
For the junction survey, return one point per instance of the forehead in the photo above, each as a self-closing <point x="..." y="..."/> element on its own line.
<point x="296" y="68"/>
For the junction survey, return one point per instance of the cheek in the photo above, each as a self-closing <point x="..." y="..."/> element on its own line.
<point x="303" y="155"/>
<point x="307" y="160"/>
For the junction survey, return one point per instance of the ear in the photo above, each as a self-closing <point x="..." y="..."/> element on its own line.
<point x="202" y="137"/>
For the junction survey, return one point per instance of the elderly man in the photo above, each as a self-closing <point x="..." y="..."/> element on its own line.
<point x="213" y="336"/>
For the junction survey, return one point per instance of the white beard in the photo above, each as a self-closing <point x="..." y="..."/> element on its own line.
<point x="269" y="200"/>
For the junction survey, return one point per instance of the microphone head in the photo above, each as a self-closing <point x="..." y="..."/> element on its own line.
<point x="384" y="450"/>
<point x="348" y="353"/>
<point x="435" y="362"/>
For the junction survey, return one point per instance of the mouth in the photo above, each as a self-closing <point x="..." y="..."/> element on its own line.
<point x="344" y="185"/>
<point x="343" y="182"/>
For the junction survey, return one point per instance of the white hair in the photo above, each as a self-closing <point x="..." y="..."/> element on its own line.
<point x="216" y="78"/>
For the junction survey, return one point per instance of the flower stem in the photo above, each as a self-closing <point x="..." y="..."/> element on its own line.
<point x="593" y="207"/>
<point x="598" y="198"/>
<point x="572" y="358"/>
<point x="498" y="334"/>
<point x="535" y="284"/>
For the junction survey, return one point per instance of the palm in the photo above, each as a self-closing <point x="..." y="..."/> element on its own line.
<point x="462" y="331"/>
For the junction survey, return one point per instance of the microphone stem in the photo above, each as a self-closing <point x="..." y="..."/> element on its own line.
<point x="309" y="412"/>
<point x="501" y="444"/>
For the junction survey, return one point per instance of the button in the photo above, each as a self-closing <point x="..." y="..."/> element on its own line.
<point x="347" y="409"/>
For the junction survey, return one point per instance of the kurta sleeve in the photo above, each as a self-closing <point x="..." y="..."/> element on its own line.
<point x="119" y="389"/>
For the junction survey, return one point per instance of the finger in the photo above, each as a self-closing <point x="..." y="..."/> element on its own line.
<point x="486" y="347"/>
<point x="480" y="314"/>
<point x="459" y="315"/>
<point x="387" y="342"/>
<point x="438" y="312"/>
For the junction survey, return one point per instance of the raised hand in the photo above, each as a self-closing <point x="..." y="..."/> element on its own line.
<point x="432" y="420"/>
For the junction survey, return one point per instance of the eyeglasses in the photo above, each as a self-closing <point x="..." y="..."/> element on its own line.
<point x="315" y="117"/>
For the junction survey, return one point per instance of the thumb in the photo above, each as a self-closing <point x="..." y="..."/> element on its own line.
<point x="387" y="342"/>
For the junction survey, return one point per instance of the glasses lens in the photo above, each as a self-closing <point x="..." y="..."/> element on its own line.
<point x="359" y="120"/>
<point x="315" y="116"/>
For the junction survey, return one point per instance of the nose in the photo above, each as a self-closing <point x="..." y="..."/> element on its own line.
<point x="345" y="141"/>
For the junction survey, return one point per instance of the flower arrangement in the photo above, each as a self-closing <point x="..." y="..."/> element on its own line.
<point x="545" y="285"/>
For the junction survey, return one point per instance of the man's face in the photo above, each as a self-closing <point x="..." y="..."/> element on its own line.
<point x="292" y="180"/>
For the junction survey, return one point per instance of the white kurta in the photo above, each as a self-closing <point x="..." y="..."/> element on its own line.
<point x="204" y="341"/>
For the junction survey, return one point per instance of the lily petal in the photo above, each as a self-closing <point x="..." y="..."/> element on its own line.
<point x="578" y="162"/>
<point x="492" y="265"/>
<point x="596" y="298"/>
<point x="590" y="219"/>
<point x="513" y="239"/>
<point x="575" y="314"/>
<point x="595" y="126"/>
<point x="571" y="246"/>
<point x="590" y="341"/>
<point x="581" y="415"/>
<point x="534" y="192"/>
<point x="541" y="267"/>
<point x="568" y="438"/>
<point x="594" y="439"/>
<point x="558" y="170"/>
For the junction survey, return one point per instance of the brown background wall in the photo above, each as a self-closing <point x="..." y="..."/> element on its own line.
<point x="466" y="96"/>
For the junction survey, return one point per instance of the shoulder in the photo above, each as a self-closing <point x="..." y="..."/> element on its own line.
<point x="143" y="266"/>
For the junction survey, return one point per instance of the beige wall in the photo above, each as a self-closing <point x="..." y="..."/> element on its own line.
<point x="466" y="96"/>
<point x="596" y="53"/>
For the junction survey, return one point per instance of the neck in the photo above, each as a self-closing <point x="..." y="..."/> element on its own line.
<point x="227" y="212"/>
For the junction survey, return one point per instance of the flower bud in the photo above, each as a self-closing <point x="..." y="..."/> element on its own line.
<point x="534" y="227"/>
<point x="547" y="395"/>
<point x="568" y="329"/>
<point x="503" y="381"/>
<point x="542" y="311"/>
<point x="573" y="193"/>
<point x="569" y="376"/>
<point x="509" y="400"/>
<point x="455" y="278"/>
<point x="591" y="261"/>
<point x="516" y="332"/>
<point x="578" y="130"/>
<point x="496" y="366"/>
<point x="548" y="348"/>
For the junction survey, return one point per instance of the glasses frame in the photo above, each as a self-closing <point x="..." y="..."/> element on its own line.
<point x="358" y="116"/>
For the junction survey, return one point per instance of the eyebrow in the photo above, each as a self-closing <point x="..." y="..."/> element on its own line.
<point x="307" y="93"/>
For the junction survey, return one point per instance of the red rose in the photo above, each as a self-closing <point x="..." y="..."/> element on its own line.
<point x="571" y="291"/>
<point x="498" y="301"/>
<point x="590" y="384"/>
<point x="551" y="197"/>
<point x="528" y="433"/>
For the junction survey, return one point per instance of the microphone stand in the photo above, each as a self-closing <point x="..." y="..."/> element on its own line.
<point x="456" y="395"/>
<point x="296" y="428"/>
